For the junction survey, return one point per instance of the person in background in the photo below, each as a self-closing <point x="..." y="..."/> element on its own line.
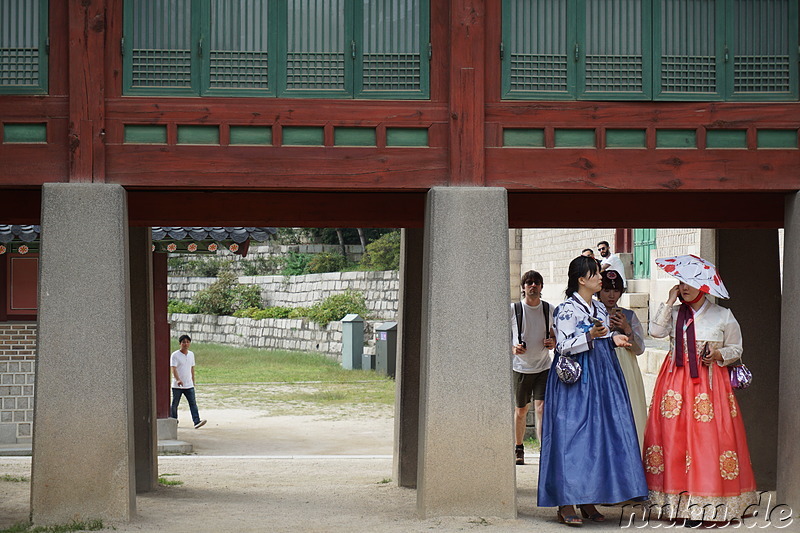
<point x="590" y="452"/>
<point x="626" y="322"/>
<point x="181" y="365"/>
<point x="531" y="342"/>
<point x="611" y="261"/>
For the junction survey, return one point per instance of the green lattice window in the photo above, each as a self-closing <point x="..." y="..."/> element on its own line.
<point x="303" y="48"/>
<point x="23" y="46"/>
<point x="643" y="49"/>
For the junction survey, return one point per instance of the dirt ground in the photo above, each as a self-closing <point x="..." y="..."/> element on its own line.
<point x="326" y="472"/>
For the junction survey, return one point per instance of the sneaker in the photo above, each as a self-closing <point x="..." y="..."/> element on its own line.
<point x="519" y="453"/>
<point x="200" y="424"/>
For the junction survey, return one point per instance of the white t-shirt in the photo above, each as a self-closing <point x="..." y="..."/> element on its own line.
<point x="537" y="358"/>
<point x="183" y="363"/>
<point x="615" y="263"/>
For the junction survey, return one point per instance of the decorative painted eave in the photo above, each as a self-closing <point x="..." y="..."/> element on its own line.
<point x="199" y="239"/>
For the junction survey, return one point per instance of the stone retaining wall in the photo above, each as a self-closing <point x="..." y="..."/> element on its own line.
<point x="271" y="333"/>
<point x="380" y="289"/>
<point x="17" y="367"/>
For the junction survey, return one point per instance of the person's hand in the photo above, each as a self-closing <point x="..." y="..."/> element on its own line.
<point x="709" y="358"/>
<point x="549" y="343"/>
<point x="621" y="341"/>
<point x="673" y="295"/>
<point x="620" y="323"/>
<point x="518" y="349"/>
<point x="179" y="383"/>
<point x="598" y="330"/>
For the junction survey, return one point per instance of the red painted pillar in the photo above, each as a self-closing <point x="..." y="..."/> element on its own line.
<point x="161" y="328"/>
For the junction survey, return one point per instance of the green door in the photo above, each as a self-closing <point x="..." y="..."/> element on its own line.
<point x="644" y="240"/>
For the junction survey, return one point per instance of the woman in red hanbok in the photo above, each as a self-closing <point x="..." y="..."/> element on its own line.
<point x="697" y="463"/>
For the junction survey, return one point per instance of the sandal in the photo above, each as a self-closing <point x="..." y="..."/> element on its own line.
<point x="590" y="512"/>
<point x="570" y="519"/>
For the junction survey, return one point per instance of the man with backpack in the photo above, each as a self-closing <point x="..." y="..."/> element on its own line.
<point x="532" y="340"/>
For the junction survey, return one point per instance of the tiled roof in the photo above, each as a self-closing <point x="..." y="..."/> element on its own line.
<point x="10" y="233"/>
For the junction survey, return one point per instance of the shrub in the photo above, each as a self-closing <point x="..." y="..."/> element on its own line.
<point x="177" y="306"/>
<point x="296" y="264"/>
<point x="226" y="295"/>
<point x="262" y="266"/>
<point x="298" y="312"/>
<point x="382" y="254"/>
<point x="326" y="262"/>
<point x="260" y="314"/>
<point x="207" y="266"/>
<point x="336" y="306"/>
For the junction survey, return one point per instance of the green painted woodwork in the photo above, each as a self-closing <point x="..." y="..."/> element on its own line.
<point x="650" y="49"/>
<point x="24" y="133"/>
<point x="777" y="138"/>
<point x="726" y="139"/>
<point x="354" y="136"/>
<point x="287" y="48"/>
<point x="518" y="137"/>
<point x="23" y="46"/>
<point x="626" y="138"/>
<point x="574" y="138"/>
<point x="145" y="134"/>
<point x="191" y="134"/>
<point x="256" y="135"/>
<point x="406" y="136"/>
<point x="676" y="139"/>
<point x="303" y="135"/>
<point x="644" y="240"/>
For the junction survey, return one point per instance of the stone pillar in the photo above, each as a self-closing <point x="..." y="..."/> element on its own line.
<point x="144" y="377"/>
<point x="406" y="420"/>
<point x="466" y="460"/>
<point x="789" y="376"/>
<point x="83" y="462"/>
<point x="755" y="289"/>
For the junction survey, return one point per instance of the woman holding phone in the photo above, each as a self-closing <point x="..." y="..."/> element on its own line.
<point x="584" y="458"/>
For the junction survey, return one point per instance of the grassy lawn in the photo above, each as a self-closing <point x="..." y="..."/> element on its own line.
<point x="283" y="381"/>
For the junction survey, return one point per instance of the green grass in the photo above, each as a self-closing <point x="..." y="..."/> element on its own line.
<point x="25" y="527"/>
<point x="229" y="364"/>
<point x="7" y="477"/>
<point x="162" y="479"/>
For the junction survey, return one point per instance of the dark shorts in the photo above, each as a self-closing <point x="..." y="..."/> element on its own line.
<point x="529" y="386"/>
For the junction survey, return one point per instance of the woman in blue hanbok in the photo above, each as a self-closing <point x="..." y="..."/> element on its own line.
<point x="590" y="450"/>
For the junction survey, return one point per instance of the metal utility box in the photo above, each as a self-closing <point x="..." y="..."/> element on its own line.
<point x="386" y="348"/>
<point x="368" y="361"/>
<point x="352" y="341"/>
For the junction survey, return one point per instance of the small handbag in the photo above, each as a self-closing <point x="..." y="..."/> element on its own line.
<point x="568" y="369"/>
<point x="740" y="375"/>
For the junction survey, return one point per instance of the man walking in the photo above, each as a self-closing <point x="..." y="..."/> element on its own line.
<point x="181" y="365"/>
<point x="531" y="343"/>
<point x="611" y="261"/>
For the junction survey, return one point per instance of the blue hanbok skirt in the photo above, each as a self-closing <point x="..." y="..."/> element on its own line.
<point x="590" y="450"/>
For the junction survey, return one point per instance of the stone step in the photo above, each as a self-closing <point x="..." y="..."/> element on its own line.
<point x="632" y="300"/>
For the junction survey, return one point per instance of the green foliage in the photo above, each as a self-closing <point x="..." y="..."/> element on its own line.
<point x="14" y="479"/>
<point x="383" y="254"/>
<point x="298" y="312"/>
<point x="326" y="262"/>
<point x="296" y="264"/>
<point x="24" y="527"/>
<point x="162" y="480"/>
<point x="336" y="306"/>
<point x="260" y="314"/>
<point x="226" y="295"/>
<point x="207" y="266"/>
<point x="177" y="306"/>
<point x="262" y="266"/>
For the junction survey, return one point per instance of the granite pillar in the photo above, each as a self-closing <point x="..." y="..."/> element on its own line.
<point x="755" y="289"/>
<point x="83" y="445"/>
<point x="466" y="462"/>
<point x="788" y="479"/>
<point x="142" y="343"/>
<point x="406" y="420"/>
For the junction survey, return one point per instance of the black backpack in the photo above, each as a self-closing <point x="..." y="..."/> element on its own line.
<point x="518" y="313"/>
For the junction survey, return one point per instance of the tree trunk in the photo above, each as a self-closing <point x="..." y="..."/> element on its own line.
<point x="341" y="241"/>
<point x="362" y="238"/>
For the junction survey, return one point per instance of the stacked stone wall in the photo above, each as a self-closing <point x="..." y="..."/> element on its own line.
<point x="17" y="366"/>
<point x="271" y="333"/>
<point x="380" y="289"/>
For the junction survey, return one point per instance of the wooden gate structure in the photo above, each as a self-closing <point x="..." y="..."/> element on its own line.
<point x="484" y="139"/>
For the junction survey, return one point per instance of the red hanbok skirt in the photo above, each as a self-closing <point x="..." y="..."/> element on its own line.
<point x="697" y="463"/>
